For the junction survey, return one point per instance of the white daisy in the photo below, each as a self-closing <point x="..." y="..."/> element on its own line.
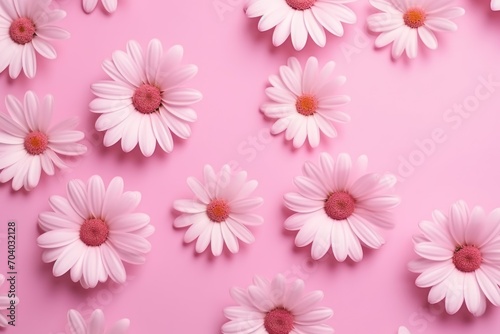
<point x="460" y="258"/>
<point x="28" y="145"/>
<point x="276" y="307"/>
<point x="96" y="324"/>
<point x="6" y="302"/>
<point x="301" y="18"/>
<point x="222" y="210"/>
<point x="404" y="22"/>
<point x="92" y="231"/>
<point x="338" y="205"/>
<point x="495" y="5"/>
<point x="109" y="5"/>
<point x="305" y="101"/>
<point x="25" y="28"/>
<point x="145" y="102"/>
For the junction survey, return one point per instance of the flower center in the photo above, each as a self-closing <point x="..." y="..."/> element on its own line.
<point x="22" y="30"/>
<point x="339" y="205"/>
<point x="414" y="17"/>
<point x="278" y="321"/>
<point x="300" y="4"/>
<point x="467" y="258"/>
<point x="218" y="210"/>
<point x="147" y="99"/>
<point x="36" y="142"/>
<point x="94" y="232"/>
<point x="306" y="105"/>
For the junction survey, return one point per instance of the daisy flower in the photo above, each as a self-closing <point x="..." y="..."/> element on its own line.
<point x="92" y="231"/>
<point x="495" y="5"/>
<point x="109" y="5"/>
<point x="304" y="101"/>
<point x="276" y="307"/>
<point x="221" y="211"/>
<point x="95" y="325"/>
<point x="26" y="26"/>
<point x="460" y="258"/>
<point x="301" y="18"/>
<point x="338" y="205"/>
<point x="403" y="23"/>
<point x="5" y="302"/>
<point x="144" y="102"/>
<point x="28" y="145"/>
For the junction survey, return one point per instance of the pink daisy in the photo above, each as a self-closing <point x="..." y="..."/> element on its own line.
<point x="301" y="18"/>
<point x="403" y="23"/>
<point x="221" y="211"/>
<point x="305" y="101"/>
<point x="28" y="145"/>
<point x="6" y="301"/>
<point x="96" y="324"/>
<point x="145" y="101"/>
<point x="460" y="258"/>
<point x="276" y="307"/>
<point x="26" y="26"/>
<point x="338" y="205"/>
<point x="93" y="231"/>
<point x="495" y="5"/>
<point x="109" y="5"/>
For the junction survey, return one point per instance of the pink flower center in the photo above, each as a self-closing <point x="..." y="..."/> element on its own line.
<point x="300" y="4"/>
<point x="278" y="321"/>
<point x="94" y="232"/>
<point x="306" y="105"/>
<point x="467" y="258"/>
<point x="36" y="142"/>
<point x="414" y="17"/>
<point x="218" y="210"/>
<point x="22" y="30"/>
<point x="147" y="99"/>
<point x="339" y="205"/>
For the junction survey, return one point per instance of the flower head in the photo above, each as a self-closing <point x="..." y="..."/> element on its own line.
<point x="301" y="18"/>
<point x="29" y="145"/>
<point x="460" y="258"/>
<point x="145" y="102"/>
<point x="221" y="211"/>
<point x="338" y="205"/>
<point x="96" y="324"/>
<point x="403" y="23"/>
<point x="109" y="5"/>
<point x="304" y="101"/>
<point x="26" y="26"/>
<point x="276" y="307"/>
<point x="93" y="231"/>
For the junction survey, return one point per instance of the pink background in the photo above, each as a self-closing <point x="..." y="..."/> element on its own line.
<point x="394" y="105"/>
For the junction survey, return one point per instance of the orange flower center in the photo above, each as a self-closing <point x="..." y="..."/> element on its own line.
<point x="300" y="4"/>
<point x="36" y="142"/>
<point x="467" y="258"/>
<point x="306" y="105"/>
<point x="94" y="232"/>
<point x="147" y="99"/>
<point x="278" y="321"/>
<point x="22" y="30"/>
<point x="414" y="17"/>
<point x="339" y="205"/>
<point x="218" y="210"/>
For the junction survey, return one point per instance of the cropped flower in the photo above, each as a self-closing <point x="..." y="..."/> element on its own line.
<point x="460" y="258"/>
<point x="26" y="27"/>
<point x="145" y="102"/>
<point x="95" y="325"/>
<point x="29" y="145"/>
<point x="404" y="22"/>
<point x="221" y="211"/>
<point x="276" y="307"/>
<point x="340" y="206"/>
<point x="109" y="5"/>
<point x="93" y="231"/>
<point x="305" y="101"/>
<point x="301" y="19"/>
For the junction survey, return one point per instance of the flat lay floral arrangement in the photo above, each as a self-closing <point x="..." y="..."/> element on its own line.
<point x="260" y="166"/>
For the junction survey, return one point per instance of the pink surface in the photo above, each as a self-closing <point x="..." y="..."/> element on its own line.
<point x="404" y="117"/>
